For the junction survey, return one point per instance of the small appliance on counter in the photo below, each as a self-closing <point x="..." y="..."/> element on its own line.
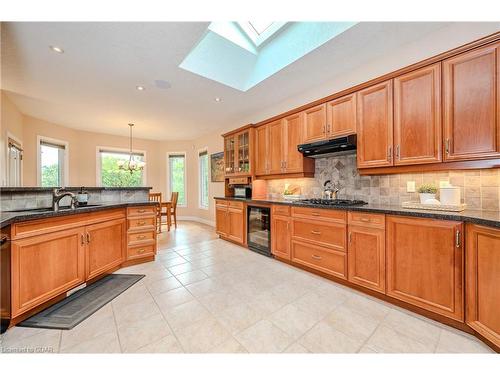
<point x="82" y="197"/>
<point x="242" y="191"/>
<point x="449" y="195"/>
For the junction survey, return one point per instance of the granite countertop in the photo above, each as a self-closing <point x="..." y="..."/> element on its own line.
<point x="33" y="189"/>
<point x="481" y="217"/>
<point x="7" y="218"/>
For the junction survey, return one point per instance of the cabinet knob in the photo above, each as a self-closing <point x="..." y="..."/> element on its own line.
<point x="317" y="257"/>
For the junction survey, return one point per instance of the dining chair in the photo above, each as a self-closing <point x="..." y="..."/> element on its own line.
<point x="156" y="197"/>
<point x="171" y="209"/>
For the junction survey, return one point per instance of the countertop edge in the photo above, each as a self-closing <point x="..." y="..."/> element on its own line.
<point x="9" y="218"/>
<point x="465" y="216"/>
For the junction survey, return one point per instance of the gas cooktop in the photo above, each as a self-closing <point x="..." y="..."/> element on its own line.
<point x="332" y="202"/>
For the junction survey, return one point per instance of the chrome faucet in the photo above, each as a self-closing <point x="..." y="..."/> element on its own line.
<point x="58" y="194"/>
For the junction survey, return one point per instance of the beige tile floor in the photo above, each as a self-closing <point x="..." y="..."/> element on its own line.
<point x="203" y="294"/>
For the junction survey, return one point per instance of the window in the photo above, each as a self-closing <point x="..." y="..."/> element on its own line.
<point x="110" y="175"/>
<point x="260" y="31"/>
<point x="53" y="162"/>
<point x="15" y="157"/>
<point x="177" y="176"/>
<point x="203" y="178"/>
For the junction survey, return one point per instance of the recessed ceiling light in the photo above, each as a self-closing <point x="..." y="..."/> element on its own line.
<point x="140" y="88"/>
<point x="57" y="49"/>
<point x="217" y="99"/>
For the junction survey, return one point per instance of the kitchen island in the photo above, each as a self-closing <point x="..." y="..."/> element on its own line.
<point x="47" y="253"/>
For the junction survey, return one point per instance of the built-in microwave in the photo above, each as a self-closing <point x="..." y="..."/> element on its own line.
<point x="243" y="192"/>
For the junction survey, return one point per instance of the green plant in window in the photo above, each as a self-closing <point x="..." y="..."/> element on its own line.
<point x="112" y="176"/>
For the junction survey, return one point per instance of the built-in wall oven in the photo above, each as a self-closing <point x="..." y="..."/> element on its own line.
<point x="259" y="229"/>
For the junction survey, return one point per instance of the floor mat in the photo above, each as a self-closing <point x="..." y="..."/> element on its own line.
<point x="74" y="309"/>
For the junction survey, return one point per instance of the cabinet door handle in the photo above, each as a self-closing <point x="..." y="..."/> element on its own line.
<point x="141" y="211"/>
<point x="314" y="256"/>
<point x="140" y="251"/>
<point x="389" y="154"/>
<point x="397" y="151"/>
<point x="447" y="146"/>
<point x="141" y="222"/>
<point x="350" y="237"/>
<point x="457" y="238"/>
<point x="365" y="219"/>
<point x="88" y="237"/>
<point x="315" y="232"/>
<point x="315" y="214"/>
<point x="141" y="237"/>
<point x="83" y="239"/>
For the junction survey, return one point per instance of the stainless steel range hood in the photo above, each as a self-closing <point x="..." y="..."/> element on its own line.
<point x="331" y="147"/>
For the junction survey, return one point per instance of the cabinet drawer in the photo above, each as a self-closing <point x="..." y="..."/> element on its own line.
<point x="235" y="204"/>
<point x="281" y="210"/>
<point x="366" y="219"/>
<point x="319" y="214"/>
<point x="221" y="203"/>
<point x="140" y="237"/>
<point x="141" y="223"/>
<point x="140" y="251"/>
<point x="322" y="233"/>
<point x="322" y="259"/>
<point x="141" y="210"/>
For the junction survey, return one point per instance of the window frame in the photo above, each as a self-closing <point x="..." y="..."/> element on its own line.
<point x="168" y="189"/>
<point x="12" y="137"/>
<point x="200" y="206"/>
<point x="118" y="150"/>
<point x="59" y="142"/>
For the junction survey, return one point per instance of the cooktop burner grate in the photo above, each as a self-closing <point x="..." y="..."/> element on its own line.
<point x="333" y="202"/>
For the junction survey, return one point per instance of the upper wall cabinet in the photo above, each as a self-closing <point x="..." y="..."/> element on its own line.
<point x="276" y="145"/>
<point x="374" y="116"/>
<point x="238" y="153"/>
<point x="315" y="124"/>
<point x="341" y="116"/>
<point x="417" y="116"/>
<point x="471" y="106"/>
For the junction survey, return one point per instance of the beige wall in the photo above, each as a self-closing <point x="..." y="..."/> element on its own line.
<point x="11" y="122"/>
<point x="82" y="156"/>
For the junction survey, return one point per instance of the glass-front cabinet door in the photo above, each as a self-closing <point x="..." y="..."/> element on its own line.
<point x="243" y="155"/>
<point x="229" y="154"/>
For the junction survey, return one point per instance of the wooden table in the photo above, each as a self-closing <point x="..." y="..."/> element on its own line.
<point x="168" y="207"/>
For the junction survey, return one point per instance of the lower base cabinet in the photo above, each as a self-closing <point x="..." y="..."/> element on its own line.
<point x="366" y="257"/>
<point x="483" y="281"/>
<point x="46" y="266"/>
<point x="425" y="264"/>
<point x="106" y="246"/>
<point x="230" y="220"/>
<point x="281" y="232"/>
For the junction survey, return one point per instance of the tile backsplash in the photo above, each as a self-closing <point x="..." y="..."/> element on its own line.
<point x="480" y="189"/>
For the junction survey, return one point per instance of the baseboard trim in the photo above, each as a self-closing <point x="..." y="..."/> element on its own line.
<point x="196" y="219"/>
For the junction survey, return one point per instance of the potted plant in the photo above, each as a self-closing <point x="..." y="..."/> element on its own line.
<point x="426" y="192"/>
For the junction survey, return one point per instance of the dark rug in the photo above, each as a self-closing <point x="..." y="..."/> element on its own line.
<point x="74" y="309"/>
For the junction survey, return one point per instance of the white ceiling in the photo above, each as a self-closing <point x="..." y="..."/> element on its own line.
<point x="92" y="85"/>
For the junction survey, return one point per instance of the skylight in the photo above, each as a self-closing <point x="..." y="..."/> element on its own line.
<point x="260" y="31"/>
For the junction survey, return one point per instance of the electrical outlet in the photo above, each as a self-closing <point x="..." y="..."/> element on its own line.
<point x="410" y="186"/>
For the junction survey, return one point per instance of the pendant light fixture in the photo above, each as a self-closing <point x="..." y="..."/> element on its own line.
<point x="131" y="165"/>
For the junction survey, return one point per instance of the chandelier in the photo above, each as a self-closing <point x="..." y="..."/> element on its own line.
<point x="131" y="165"/>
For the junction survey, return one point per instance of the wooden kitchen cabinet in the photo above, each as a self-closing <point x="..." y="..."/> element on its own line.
<point x="274" y="152"/>
<point x="425" y="264"/>
<point x="106" y="246"/>
<point x="46" y="266"/>
<point x="230" y="220"/>
<point x="417" y="116"/>
<point x="471" y="105"/>
<point x="366" y="250"/>
<point x="277" y="154"/>
<point x="482" y="279"/>
<point x="315" y="123"/>
<point x="341" y="116"/>
<point x="238" y="152"/>
<point x="261" y="150"/>
<point x="281" y="232"/>
<point x="375" y="126"/>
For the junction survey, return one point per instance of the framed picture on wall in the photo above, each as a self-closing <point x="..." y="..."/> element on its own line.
<point x="217" y="167"/>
